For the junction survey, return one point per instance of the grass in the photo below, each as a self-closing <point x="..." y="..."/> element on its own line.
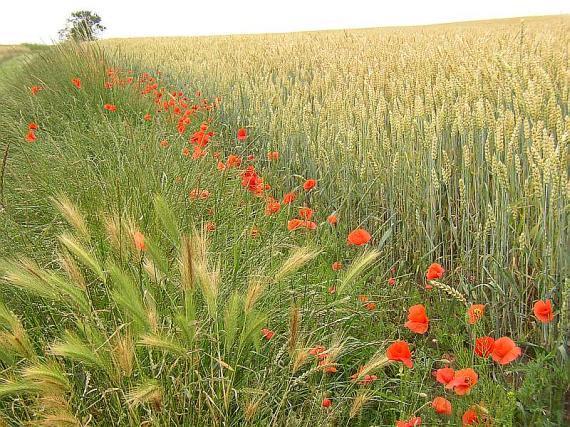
<point x="131" y="297"/>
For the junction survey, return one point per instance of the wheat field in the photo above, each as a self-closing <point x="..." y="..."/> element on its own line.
<point x="337" y="228"/>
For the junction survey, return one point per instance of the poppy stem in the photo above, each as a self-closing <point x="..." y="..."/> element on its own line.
<point x="4" y="160"/>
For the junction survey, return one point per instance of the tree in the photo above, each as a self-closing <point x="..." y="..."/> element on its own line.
<point x="83" y="25"/>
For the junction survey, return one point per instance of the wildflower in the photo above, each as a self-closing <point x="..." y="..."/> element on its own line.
<point x="210" y="226"/>
<point x="418" y="321"/>
<point x="412" y="422"/>
<point x="327" y="366"/>
<point x="138" y="237"/>
<point x="147" y="117"/>
<point x="336" y="266"/>
<point x="241" y="134"/>
<point x="470" y="417"/>
<point x="221" y="167"/>
<point x="267" y="333"/>
<point x="76" y="82"/>
<point x="543" y="311"/>
<point x="391" y="281"/>
<point x="475" y="313"/>
<point x="358" y="237"/>
<point x="434" y="271"/>
<point x="233" y="161"/>
<point x="363" y="380"/>
<point x="186" y="152"/>
<point x="36" y="89"/>
<point x="110" y="107"/>
<point x="326" y="403"/>
<point x="332" y="290"/>
<point x="318" y="351"/>
<point x="252" y="181"/>
<point x="484" y="346"/>
<point x="164" y="143"/>
<point x="400" y="351"/>
<point x="272" y="207"/>
<point x="370" y="306"/>
<point x="306" y="213"/>
<point x="31" y="136"/>
<point x="295" y="224"/>
<point x="444" y="375"/>
<point x="250" y="158"/>
<point x="254" y="232"/>
<point x="289" y="198"/>
<point x="32" y="126"/>
<point x="273" y="155"/>
<point x="505" y="351"/>
<point x="309" y="184"/>
<point x="441" y="405"/>
<point x="463" y="381"/>
<point x="332" y="219"/>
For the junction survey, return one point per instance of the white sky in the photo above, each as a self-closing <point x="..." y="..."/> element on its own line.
<point x="39" y="20"/>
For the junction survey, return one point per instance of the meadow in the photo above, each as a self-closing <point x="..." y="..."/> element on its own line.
<point x="361" y="227"/>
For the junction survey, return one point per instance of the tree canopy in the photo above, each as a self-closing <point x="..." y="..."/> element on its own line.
<point x="83" y="25"/>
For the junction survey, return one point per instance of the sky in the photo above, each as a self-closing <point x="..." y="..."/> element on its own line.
<point x="38" y="21"/>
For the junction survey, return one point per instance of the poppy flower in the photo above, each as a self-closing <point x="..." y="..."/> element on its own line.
<point x="470" y="417"/>
<point x="484" y="346"/>
<point x="391" y="281"/>
<point x="543" y="311"/>
<point x="233" y="161"/>
<point x="505" y="351"/>
<point x="332" y="219"/>
<point x="272" y="207"/>
<point x="306" y="213"/>
<point x="273" y="155"/>
<point x="250" y="157"/>
<point x="363" y="380"/>
<point x="358" y="237"/>
<point x="110" y="107"/>
<point x="241" y="134"/>
<point x="370" y="306"/>
<point x="210" y="226"/>
<point x="164" y="143"/>
<point x="327" y="366"/>
<point x="32" y="126"/>
<point x="434" y="271"/>
<point x="221" y="167"/>
<point x="76" y="82"/>
<point x="418" y="321"/>
<point x="326" y="403"/>
<point x="412" y="422"/>
<point x="35" y="89"/>
<point x="475" y="313"/>
<point x="295" y="224"/>
<point x="309" y="184"/>
<point x="444" y="375"/>
<point x="400" y="351"/>
<point x="463" y="381"/>
<point x="267" y="333"/>
<point x="332" y="290"/>
<point x="362" y="298"/>
<point x="186" y="152"/>
<point x="147" y="117"/>
<point x="138" y="238"/>
<point x="31" y="136"/>
<point x="336" y="266"/>
<point x="441" y="405"/>
<point x="289" y="198"/>
<point x="317" y="351"/>
<point x="254" y="232"/>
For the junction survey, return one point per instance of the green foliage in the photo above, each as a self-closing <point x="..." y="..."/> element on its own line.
<point x="83" y="25"/>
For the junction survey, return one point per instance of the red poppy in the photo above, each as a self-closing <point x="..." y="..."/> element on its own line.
<point x="543" y="311"/>
<point x="250" y="157"/>
<point x="418" y="321"/>
<point x="434" y="271"/>
<point x="370" y="306"/>
<point x="289" y="198"/>
<point x="233" y="161"/>
<point x="186" y="152"/>
<point x="138" y="238"/>
<point x="31" y="136"/>
<point x="306" y="213"/>
<point x="267" y="333"/>
<point x="326" y="403"/>
<point x="147" y="117"/>
<point x="484" y="346"/>
<point x="36" y="89"/>
<point x="475" y="313"/>
<point x="332" y="219"/>
<point x="210" y="226"/>
<point x="470" y="417"/>
<point x="400" y="351"/>
<point x="164" y="143"/>
<point x="463" y="381"/>
<point x="295" y="224"/>
<point x="32" y="126"/>
<point x="309" y="184"/>
<point x="254" y="232"/>
<point x="363" y="380"/>
<point x="358" y="237"/>
<point x="444" y="375"/>
<point x="505" y="351"/>
<point x="412" y="422"/>
<point x="221" y="167"/>
<point x="327" y="366"/>
<point x="272" y="207"/>
<point x="391" y="281"/>
<point x="441" y="405"/>
<point x="273" y="155"/>
<point x="336" y="266"/>
<point x="76" y="82"/>
<point x="110" y="107"/>
<point x="241" y="134"/>
<point x="318" y="351"/>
